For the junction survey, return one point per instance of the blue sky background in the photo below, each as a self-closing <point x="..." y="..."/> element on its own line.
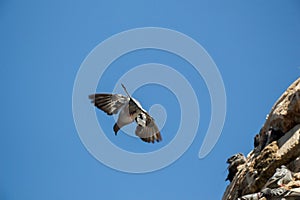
<point x="256" y="46"/>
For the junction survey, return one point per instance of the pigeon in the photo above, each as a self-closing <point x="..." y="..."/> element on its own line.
<point x="254" y="196"/>
<point x="256" y="140"/>
<point x="280" y="194"/>
<point x="274" y="134"/>
<point x="273" y="194"/>
<point x="234" y="161"/>
<point x="281" y="177"/>
<point x="129" y="110"/>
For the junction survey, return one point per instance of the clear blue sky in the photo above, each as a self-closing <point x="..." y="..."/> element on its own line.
<point x="256" y="46"/>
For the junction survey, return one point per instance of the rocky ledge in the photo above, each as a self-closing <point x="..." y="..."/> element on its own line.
<point x="272" y="169"/>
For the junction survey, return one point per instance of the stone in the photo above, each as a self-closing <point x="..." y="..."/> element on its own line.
<point x="277" y="144"/>
<point x="294" y="165"/>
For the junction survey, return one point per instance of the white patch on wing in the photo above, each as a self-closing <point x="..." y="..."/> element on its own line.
<point x="141" y="119"/>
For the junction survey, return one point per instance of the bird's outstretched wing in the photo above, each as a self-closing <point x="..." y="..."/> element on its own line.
<point x="109" y="103"/>
<point x="146" y="129"/>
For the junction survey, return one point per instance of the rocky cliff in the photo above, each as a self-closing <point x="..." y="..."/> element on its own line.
<point x="276" y="148"/>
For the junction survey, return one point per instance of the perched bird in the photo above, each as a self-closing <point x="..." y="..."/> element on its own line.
<point x="281" y="193"/>
<point x="281" y="177"/>
<point x="254" y="196"/>
<point x="234" y="161"/>
<point x="234" y="157"/>
<point x="273" y="194"/>
<point x="274" y="134"/>
<point x="256" y="140"/>
<point x="129" y="110"/>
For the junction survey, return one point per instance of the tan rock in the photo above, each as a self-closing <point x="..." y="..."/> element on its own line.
<point x="297" y="176"/>
<point x="294" y="165"/>
<point x="293" y="184"/>
<point x="285" y="113"/>
<point x="261" y="163"/>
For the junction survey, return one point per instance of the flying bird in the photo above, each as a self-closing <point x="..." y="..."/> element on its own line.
<point x="129" y="110"/>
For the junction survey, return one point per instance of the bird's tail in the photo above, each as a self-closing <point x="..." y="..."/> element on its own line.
<point x="125" y="90"/>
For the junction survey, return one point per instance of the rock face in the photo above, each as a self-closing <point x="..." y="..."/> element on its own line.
<point x="277" y="144"/>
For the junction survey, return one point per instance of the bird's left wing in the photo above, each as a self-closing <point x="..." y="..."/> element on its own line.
<point x="109" y="103"/>
<point x="146" y="129"/>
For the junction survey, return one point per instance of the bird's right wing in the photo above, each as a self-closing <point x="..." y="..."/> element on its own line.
<point x="146" y="129"/>
<point x="109" y="103"/>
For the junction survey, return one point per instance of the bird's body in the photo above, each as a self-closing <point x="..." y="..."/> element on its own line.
<point x="234" y="162"/>
<point x="124" y="117"/>
<point x="129" y="110"/>
<point x="281" y="177"/>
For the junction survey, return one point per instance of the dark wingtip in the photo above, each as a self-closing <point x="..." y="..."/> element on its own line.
<point x="92" y="96"/>
<point x="152" y="139"/>
<point x="159" y="138"/>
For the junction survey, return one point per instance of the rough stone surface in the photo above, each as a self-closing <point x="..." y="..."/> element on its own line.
<point x="261" y="163"/>
<point x="295" y="165"/>
<point x="285" y="113"/>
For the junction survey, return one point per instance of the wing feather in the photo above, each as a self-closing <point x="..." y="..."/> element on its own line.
<point x="109" y="103"/>
<point x="146" y="129"/>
